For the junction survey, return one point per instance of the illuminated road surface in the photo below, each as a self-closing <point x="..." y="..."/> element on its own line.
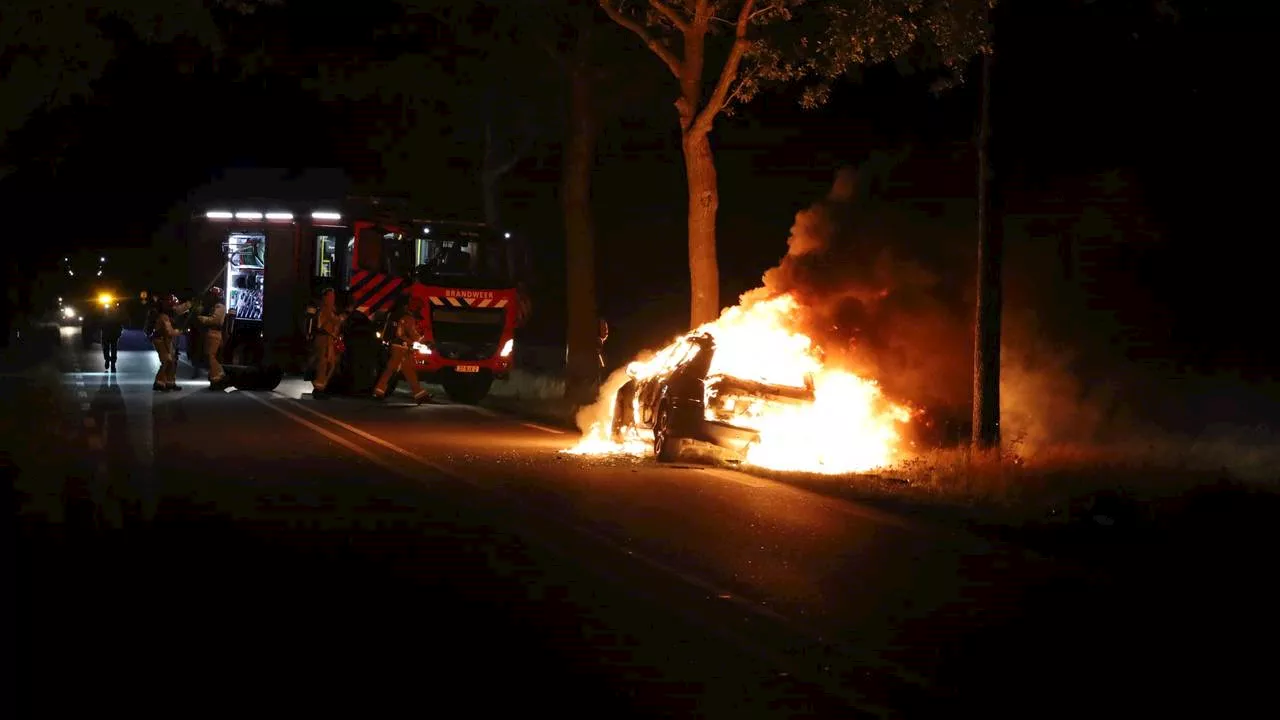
<point x="387" y="551"/>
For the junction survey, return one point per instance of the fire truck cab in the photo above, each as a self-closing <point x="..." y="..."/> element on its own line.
<point x="463" y="278"/>
<point x="274" y="258"/>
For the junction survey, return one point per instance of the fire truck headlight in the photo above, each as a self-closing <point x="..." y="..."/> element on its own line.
<point x="421" y="349"/>
<point x="506" y="349"/>
<point x="68" y="312"/>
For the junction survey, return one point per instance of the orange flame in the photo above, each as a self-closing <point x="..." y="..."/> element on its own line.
<point x="850" y="427"/>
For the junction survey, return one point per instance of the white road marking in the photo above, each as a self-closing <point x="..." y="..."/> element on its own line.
<point x="697" y="582"/>
<point x="332" y="436"/>
<point x="84" y="407"/>
<point x="750" y="606"/>
<point x="376" y="440"/>
<point x="490" y="413"/>
<point x="82" y="394"/>
<point x="843" y="507"/>
<point x="535" y="426"/>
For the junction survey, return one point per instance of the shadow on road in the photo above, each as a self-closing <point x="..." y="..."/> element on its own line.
<point x="196" y="611"/>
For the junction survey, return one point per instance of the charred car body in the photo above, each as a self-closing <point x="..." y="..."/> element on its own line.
<point x="686" y="402"/>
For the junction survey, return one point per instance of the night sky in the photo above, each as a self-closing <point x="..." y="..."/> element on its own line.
<point x="1174" y="94"/>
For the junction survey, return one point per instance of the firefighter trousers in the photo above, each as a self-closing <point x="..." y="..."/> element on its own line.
<point x="402" y="360"/>
<point x="167" y="375"/>
<point x="212" y="344"/>
<point x="110" y="349"/>
<point x="325" y="357"/>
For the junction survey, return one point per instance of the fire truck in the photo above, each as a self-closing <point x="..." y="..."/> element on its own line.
<point x="274" y="258"/>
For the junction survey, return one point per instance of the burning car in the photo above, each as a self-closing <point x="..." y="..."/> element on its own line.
<point x="752" y="385"/>
<point x="681" y="399"/>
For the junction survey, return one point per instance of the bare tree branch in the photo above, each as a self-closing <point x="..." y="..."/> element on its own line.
<point x="671" y="14"/>
<point x="762" y="11"/>
<point x="729" y="73"/>
<point x="771" y="7"/>
<point x="664" y="54"/>
<point x="736" y="93"/>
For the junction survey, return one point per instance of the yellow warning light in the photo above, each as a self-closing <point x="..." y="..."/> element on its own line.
<point x="105" y="299"/>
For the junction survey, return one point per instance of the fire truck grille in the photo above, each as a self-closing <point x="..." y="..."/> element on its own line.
<point x="467" y="334"/>
<point x="465" y="351"/>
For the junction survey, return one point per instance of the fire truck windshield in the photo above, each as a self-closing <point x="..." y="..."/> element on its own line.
<point x="464" y="260"/>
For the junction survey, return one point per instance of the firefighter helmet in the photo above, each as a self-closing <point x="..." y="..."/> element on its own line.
<point x="215" y="291"/>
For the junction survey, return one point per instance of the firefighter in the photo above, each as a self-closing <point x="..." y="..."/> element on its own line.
<point x="164" y="336"/>
<point x="112" y="328"/>
<point x="324" y="343"/>
<point x="600" y="366"/>
<point x="403" y="333"/>
<point x="211" y="321"/>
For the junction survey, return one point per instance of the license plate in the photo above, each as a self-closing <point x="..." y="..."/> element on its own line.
<point x="467" y="368"/>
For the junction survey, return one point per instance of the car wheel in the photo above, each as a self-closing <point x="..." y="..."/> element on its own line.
<point x="665" y="447"/>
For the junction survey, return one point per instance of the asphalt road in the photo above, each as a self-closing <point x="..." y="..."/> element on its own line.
<point x="269" y="552"/>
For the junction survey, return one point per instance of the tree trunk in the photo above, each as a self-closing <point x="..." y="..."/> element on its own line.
<point x="575" y="199"/>
<point x="704" y="200"/>
<point x="987" y="316"/>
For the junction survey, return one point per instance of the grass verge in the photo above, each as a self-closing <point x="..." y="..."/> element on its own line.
<point x="1134" y="484"/>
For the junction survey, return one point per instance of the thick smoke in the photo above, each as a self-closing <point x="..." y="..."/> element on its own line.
<point x="872" y="303"/>
<point x="888" y="292"/>
<point x="888" y="288"/>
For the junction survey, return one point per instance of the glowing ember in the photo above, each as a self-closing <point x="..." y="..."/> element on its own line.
<point x="848" y="427"/>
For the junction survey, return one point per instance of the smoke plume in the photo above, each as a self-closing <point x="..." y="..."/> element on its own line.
<point x="873" y="302"/>
<point x="888" y="292"/>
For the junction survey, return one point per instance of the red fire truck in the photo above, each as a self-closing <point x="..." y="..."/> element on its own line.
<point x="273" y="259"/>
